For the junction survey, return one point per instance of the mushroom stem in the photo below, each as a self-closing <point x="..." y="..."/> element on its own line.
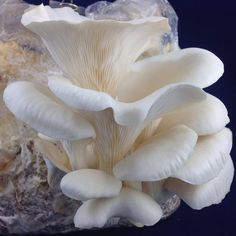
<point x="113" y="141"/>
<point x="77" y="153"/>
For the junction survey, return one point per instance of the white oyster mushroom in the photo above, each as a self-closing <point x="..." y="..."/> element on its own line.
<point x="145" y="119"/>
<point x="87" y="184"/>
<point x="177" y="66"/>
<point x="159" y="158"/>
<point x="104" y="49"/>
<point x="136" y="206"/>
<point x="167" y="155"/>
<point x="199" y="117"/>
<point x="200" y="196"/>
<point x="147" y="109"/>
<point x="208" y="158"/>
<point x="37" y="107"/>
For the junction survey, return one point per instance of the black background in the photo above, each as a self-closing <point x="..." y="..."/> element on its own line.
<point x="209" y="24"/>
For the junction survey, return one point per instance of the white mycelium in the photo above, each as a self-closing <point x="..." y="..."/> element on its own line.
<point x="116" y="121"/>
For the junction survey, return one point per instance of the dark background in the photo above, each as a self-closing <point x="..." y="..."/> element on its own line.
<point x="209" y="24"/>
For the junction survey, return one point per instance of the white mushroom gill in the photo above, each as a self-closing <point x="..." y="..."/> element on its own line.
<point x="127" y="133"/>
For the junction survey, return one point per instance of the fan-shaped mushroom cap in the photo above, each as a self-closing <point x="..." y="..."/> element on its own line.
<point x="135" y="206"/>
<point x="86" y="184"/>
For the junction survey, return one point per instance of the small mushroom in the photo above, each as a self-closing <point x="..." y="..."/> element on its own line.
<point x="131" y="204"/>
<point x="86" y="184"/>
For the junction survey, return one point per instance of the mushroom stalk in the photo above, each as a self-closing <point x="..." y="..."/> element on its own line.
<point x="113" y="141"/>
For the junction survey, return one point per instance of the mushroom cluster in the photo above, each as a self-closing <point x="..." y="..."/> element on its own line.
<point x="129" y="132"/>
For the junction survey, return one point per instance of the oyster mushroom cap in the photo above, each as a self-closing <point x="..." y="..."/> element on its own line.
<point x="147" y="109"/>
<point x="209" y="116"/>
<point x="200" y="196"/>
<point x="86" y="184"/>
<point x="159" y="158"/>
<point x="134" y="205"/>
<point x="36" y="106"/>
<point x="43" y="13"/>
<point x="195" y="66"/>
<point x="208" y="158"/>
<point x="103" y="49"/>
